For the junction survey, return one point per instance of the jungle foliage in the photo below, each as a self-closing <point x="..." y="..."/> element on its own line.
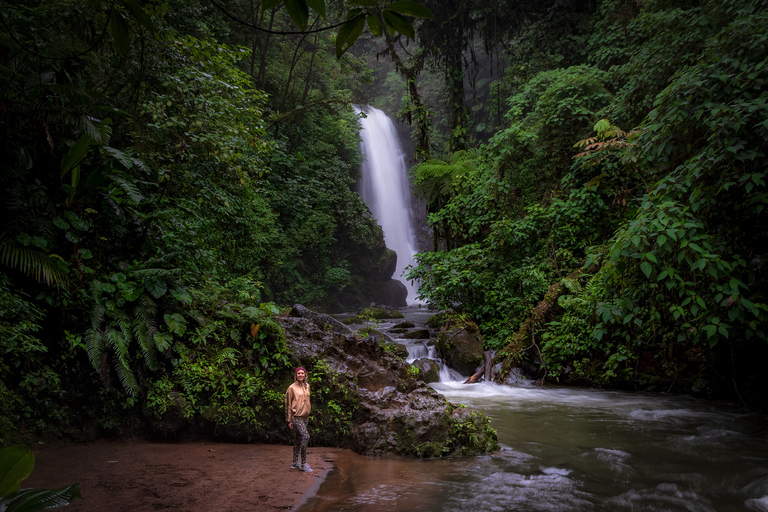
<point x="170" y="171"/>
<point x="641" y="169"/>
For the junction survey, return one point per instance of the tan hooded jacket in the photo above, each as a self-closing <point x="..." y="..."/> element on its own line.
<point x="297" y="401"/>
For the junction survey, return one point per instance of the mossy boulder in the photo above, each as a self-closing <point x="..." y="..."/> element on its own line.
<point x="429" y="371"/>
<point x="385" y="407"/>
<point x="460" y="345"/>
<point x="418" y="334"/>
<point x="380" y="313"/>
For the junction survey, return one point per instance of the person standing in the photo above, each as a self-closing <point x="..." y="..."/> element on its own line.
<point x="297" y="409"/>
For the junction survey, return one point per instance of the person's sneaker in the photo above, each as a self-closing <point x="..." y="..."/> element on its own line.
<point x="296" y="465"/>
<point x="306" y="468"/>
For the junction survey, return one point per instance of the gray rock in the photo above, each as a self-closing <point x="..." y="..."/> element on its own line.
<point x="461" y="347"/>
<point x="404" y="325"/>
<point x="429" y="371"/>
<point x="395" y="411"/>
<point x="418" y="334"/>
<point x="320" y="319"/>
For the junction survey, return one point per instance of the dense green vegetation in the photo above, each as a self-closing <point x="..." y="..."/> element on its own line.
<point x="654" y="232"/>
<point x="176" y="172"/>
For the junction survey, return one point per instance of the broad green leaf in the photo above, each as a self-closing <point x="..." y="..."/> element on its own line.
<point x="365" y="3"/>
<point x="140" y="15"/>
<point x="318" y="6"/>
<point x="119" y="29"/>
<point x="374" y="25"/>
<point x="155" y="286"/>
<point x="602" y="125"/>
<point x="16" y="464"/>
<point x="269" y="4"/>
<point x="131" y="290"/>
<point x="76" y="153"/>
<point x="299" y="12"/>
<point x="31" y="500"/>
<point x="176" y="323"/>
<point x="399" y="24"/>
<point x="416" y="10"/>
<point x="181" y="295"/>
<point x="348" y="34"/>
<point x="647" y="268"/>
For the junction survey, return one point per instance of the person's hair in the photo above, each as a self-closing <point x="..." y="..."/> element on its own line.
<point x="300" y="368"/>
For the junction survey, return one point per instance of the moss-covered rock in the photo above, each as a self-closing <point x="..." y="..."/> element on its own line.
<point x="460" y="345"/>
<point x="380" y="313"/>
<point x="429" y="371"/>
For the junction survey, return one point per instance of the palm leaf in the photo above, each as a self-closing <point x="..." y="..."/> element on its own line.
<point x="31" y="500"/>
<point x="44" y="268"/>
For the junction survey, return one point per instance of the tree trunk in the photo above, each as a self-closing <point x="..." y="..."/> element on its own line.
<point x="526" y="338"/>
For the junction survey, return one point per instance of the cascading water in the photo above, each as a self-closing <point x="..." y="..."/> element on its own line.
<point x="384" y="188"/>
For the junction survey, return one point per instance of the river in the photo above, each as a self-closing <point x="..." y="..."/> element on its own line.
<point x="571" y="449"/>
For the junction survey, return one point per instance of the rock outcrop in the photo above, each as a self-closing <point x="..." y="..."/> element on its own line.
<point x="385" y="406"/>
<point x="460" y="345"/>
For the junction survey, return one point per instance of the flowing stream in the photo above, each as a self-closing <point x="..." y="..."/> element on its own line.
<point x="570" y="449"/>
<point x="384" y="188"/>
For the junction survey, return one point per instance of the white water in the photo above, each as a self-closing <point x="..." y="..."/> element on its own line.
<point x="384" y="187"/>
<point x="569" y="450"/>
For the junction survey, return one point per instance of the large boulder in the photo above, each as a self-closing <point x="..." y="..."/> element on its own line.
<point x="429" y="371"/>
<point x="322" y="320"/>
<point x="392" y="410"/>
<point x="460" y="345"/>
<point x="390" y="293"/>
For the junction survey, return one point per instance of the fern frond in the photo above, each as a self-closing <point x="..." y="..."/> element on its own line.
<point x="129" y="188"/>
<point x="126" y="377"/>
<point x="44" y="268"/>
<point x="227" y="353"/>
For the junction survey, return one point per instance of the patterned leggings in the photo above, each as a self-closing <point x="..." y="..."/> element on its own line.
<point x="300" y="439"/>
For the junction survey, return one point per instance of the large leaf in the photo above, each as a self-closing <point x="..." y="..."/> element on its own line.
<point x="298" y="11"/>
<point x="16" y="464"/>
<point x="318" y="6"/>
<point x="398" y="23"/>
<point x="364" y="3"/>
<point x="269" y="4"/>
<point x="411" y="9"/>
<point x="31" y="500"/>
<point x="348" y="34"/>
<point x="374" y="25"/>
<point x="119" y="29"/>
<point x="140" y="15"/>
<point x="176" y="323"/>
<point x="76" y="153"/>
<point x="155" y="286"/>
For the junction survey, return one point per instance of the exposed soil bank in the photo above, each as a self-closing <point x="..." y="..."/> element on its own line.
<point x="138" y="476"/>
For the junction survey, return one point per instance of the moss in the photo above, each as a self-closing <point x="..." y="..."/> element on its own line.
<point x="380" y="313"/>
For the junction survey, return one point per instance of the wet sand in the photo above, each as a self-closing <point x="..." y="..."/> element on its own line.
<point x="137" y="476"/>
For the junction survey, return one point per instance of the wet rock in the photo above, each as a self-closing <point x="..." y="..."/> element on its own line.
<point x="460" y="345"/>
<point x="429" y="371"/>
<point x="394" y="410"/>
<point x="325" y="322"/>
<point x="418" y="334"/>
<point x="391" y="293"/>
<point x="380" y="313"/>
<point x="404" y="325"/>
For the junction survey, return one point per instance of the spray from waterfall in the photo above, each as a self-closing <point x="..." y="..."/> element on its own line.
<point x="384" y="188"/>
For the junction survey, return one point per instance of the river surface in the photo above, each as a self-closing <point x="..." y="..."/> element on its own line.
<point x="571" y="449"/>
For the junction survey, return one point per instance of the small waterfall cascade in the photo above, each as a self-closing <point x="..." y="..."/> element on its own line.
<point x="384" y="188"/>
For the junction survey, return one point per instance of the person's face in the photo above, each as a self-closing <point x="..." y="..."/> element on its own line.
<point x="301" y="375"/>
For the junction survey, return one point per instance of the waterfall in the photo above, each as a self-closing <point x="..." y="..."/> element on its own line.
<point x="384" y="187"/>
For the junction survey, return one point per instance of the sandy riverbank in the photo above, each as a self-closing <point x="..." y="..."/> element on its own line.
<point x="137" y="476"/>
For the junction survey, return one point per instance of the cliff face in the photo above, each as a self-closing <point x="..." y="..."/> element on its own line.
<point x="367" y="398"/>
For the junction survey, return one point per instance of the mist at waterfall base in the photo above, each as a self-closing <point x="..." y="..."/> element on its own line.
<point x="384" y="188"/>
<point x="567" y="449"/>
